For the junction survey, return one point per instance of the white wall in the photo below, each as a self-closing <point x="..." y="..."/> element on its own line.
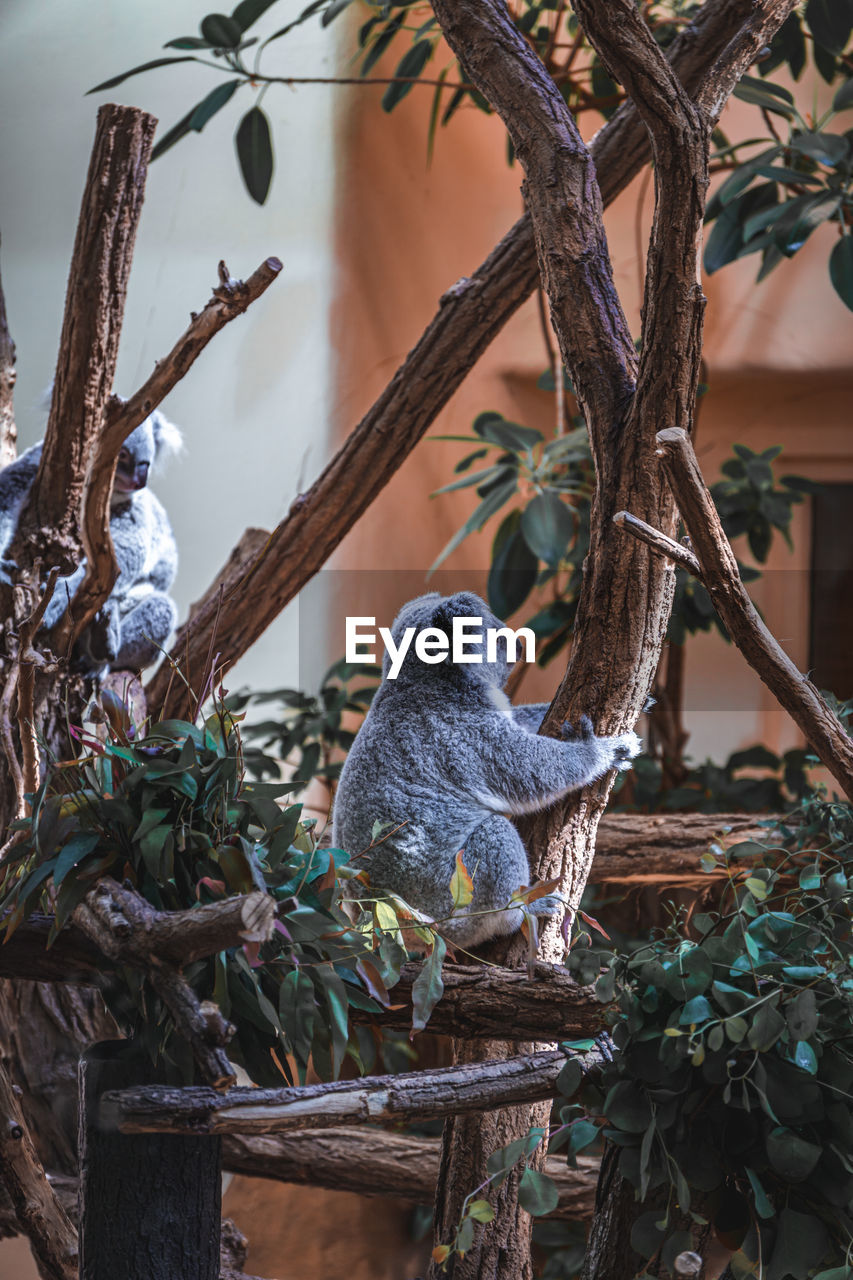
<point x="254" y="407"/>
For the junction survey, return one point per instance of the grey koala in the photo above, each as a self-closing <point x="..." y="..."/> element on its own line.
<point x="137" y="618"/>
<point x="442" y="757"/>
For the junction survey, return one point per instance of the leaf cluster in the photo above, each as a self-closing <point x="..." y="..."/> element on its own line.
<point x="731" y="1092"/>
<point x="308" y="729"/>
<point x="730" y="1096"/>
<point x="543" y="539"/>
<point x="172" y="814"/>
<point x="773" y="201"/>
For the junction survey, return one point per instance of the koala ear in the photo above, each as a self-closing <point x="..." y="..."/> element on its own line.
<point x="168" y="439"/>
<point x="442" y="616"/>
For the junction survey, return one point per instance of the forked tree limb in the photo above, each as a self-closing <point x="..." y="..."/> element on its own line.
<point x="231" y="298"/>
<point x="659" y="542"/>
<point x="119" y="921"/>
<point x="626" y="596"/>
<point x="379" y="1163"/>
<point x="791" y="688"/>
<point x="39" y="1212"/>
<point x="471" y="313"/>
<point x="390" y="1099"/>
<point x="88" y="345"/>
<point x="8" y="430"/>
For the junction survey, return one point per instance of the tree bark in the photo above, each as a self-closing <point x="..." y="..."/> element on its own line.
<point x="415" y="1095"/>
<point x="231" y="298"/>
<point x="721" y="576"/>
<point x="39" y="1212"/>
<point x="149" y="1205"/>
<point x="88" y="345"/>
<point x="626" y="598"/>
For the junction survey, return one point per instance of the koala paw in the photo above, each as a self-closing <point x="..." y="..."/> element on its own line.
<point x="583" y="733"/>
<point x="103" y="636"/>
<point x="625" y="747"/>
<point x="549" y="905"/>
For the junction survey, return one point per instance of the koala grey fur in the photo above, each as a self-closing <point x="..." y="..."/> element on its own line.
<point x="139" y="615"/>
<point x="444" y="756"/>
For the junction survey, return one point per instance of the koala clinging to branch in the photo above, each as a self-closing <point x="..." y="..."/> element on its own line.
<point x="441" y="758"/>
<point x="139" y="614"/>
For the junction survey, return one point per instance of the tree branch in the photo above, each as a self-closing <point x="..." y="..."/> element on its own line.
<point x="52" y="1236"/>
<point x="231" y="298"/>
<point x="471" y="313"/>
<point x="421" y="1095"/>
<point x="659" y="542"/>
<point x="129" y="930"/>
<point x="374" y="1162"/>
<point x="794" y="691"/>
<point x="8" y="430"/>
<point x="88" y="345"/>
<point x="121" y="924"/>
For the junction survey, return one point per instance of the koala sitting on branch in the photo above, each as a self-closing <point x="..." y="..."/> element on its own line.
<point x="136" y="620"/>
<point x="440" y="761"/>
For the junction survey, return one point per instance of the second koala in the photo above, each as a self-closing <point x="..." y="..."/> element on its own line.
<point x="441" y="759"/>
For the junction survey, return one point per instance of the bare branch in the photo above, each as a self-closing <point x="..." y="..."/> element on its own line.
<point x="659" y="542"/>
<point x="374" y="1163"/>
<point x="52" y="1236"/>
<point x="88" y="346"/>
<point x="231" y="298"/>
<point x="796" y="693"/>
<point x="471" y="313"/>
<point x="128" y="929"/>
<point x="373" y="1100"/>
<point x="8" y="430"/>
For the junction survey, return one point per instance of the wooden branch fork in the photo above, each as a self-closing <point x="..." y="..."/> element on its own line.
<point x="128" y="930"/>
<point x="715" y="564"/>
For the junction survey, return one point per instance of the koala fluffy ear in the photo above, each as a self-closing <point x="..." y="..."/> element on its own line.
<point x="168" y="439"/>
<point x="442" y="617"/>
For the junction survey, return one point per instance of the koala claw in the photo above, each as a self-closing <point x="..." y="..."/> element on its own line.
<point x="549" y="905"/>
<point x="626" y="747"/>
<point x="584" y="731"/>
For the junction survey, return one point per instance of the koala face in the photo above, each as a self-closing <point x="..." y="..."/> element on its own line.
<point x="435" y="612"/>
<point x="148" y="444"/>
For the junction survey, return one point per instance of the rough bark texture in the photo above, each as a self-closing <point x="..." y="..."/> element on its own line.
<point x="719" y="572"/>
<point x="120" y="922"/>
<point x="128" y="929"/>
<point x="376" y="1163"/>
<point x="471" y="313"/>
<point x="8" y="430"/>
<point x="626" y="597"/>
<point x="415" y="1095"/>
<point x="88" y="345"/>
<point x="39" y="1211"/>
<point x="149" y="1205"/>
<point x="43" y="1030"/>
<point x="231" y="298"/>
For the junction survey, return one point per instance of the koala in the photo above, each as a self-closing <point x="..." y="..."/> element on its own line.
<point x="443" y="758"/>
<point x="136" y="620"/>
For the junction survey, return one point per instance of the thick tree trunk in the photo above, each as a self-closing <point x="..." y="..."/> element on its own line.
<point x="150" y="1205"/>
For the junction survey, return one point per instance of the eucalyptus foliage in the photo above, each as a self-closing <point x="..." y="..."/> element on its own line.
<point x="172" y="814"/>
<point x="309" y="730"/>
<point x="772" y="201"/>
<point x="543" y="538"/>
<point x="729" y="1096"/>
